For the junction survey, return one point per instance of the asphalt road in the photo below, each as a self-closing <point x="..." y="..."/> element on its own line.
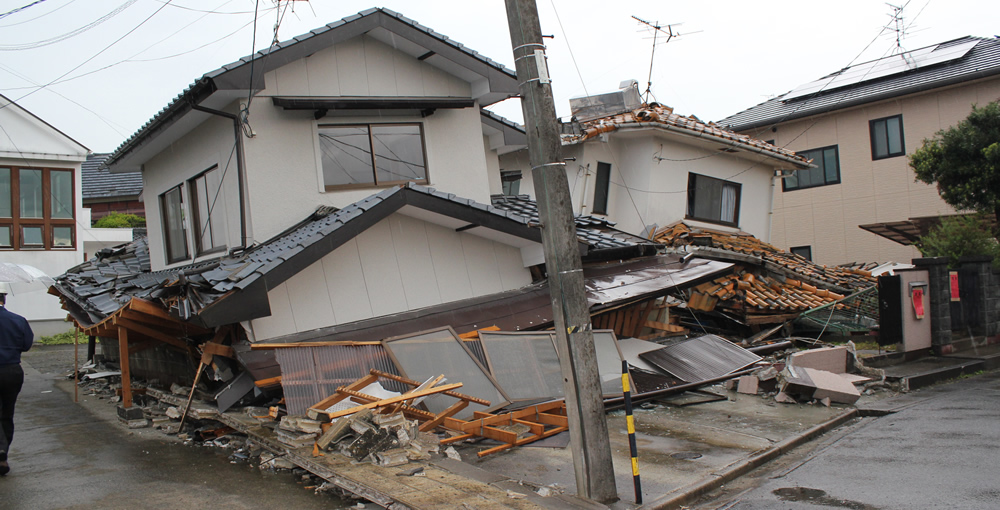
<point x="68" y="455"/>
<point x="939" y="449"/>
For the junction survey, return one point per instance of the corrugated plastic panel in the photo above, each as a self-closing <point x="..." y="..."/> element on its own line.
<point x="701" y="358"/>
<point x="525" y="363"/>
<point x="432" y="353"/>
<point x="310" y="374"/>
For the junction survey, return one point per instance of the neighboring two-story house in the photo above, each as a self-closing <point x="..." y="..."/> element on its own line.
<point x="40" y="207"/>
<point x="641" y="165"/>
<point x="858" y="125"/>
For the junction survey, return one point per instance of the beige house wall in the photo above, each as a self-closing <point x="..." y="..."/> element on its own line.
<point x="827" y="217"/>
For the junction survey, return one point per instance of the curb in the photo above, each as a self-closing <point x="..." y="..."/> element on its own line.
<point x="686" y="494"/>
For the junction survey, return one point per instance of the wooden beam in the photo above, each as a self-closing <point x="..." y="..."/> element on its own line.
<point x="447" y="413"/>
<point x="320" y="407"/>
<point x="159" y="322"/>
<point x="664" y="326"/>
<point x="123" y="361"/>
<point x="411" y="382"/>
<point x="270" y="381"/>
<point x="150" y="332"/>
<point x="267" y="347"/>
<point x="391" y="400"/>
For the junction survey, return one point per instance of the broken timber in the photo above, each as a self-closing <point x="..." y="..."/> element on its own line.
<point x="446" y="484"/>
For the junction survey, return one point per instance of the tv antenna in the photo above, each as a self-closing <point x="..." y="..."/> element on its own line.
<point x="897" y="25"/>
<point x="669" y="32"/>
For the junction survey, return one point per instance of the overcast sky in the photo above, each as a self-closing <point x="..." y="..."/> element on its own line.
<point x="110" y="65"/>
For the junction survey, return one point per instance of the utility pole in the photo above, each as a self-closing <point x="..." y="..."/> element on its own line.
<point x="588" y="426"/>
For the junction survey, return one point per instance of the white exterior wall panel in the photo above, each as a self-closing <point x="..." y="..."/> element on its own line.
<point x="399" y="264"/>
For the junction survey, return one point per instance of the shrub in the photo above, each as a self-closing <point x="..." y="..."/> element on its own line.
<point x="120" y="220"/>
<point x="960" y="236"/>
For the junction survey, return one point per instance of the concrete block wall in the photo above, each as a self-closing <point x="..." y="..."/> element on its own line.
<point x="939" y="289"/>
<point x="989" y="292"/>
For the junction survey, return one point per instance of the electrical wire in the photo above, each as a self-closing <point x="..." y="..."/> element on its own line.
<point x="68" y="35"/>
<point x="37" y="17"/>
<point x="116" y="41"/>
<point x="19" y="9"/>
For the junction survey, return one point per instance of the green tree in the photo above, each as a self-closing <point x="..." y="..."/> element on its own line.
<point x="960" y="236"/>
<point x="964" y="161"/>
<point x="120" y="220"/>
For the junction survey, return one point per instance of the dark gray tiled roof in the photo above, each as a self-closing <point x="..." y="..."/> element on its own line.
<point x="202" y="85"/>
<point x="596" y="232"/>
<point x="982" y="61"/>
<point x="105" y="283"/>
<point x="99" y="183"/>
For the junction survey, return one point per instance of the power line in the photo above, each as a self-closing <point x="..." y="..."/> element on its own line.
<point x="116" y="41"/>
<point x="19" y="9"/>
<point x="37" y="17"/>
<point x="68" y="35"/>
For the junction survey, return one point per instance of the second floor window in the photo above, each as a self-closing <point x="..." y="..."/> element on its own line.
<point x="602" y="187"/>
<point x="174" y="233"/>
<point x="827" y="170"/>
<point x="887" y="137"/>
<point x="37" y="209"/>
<point x="365" y="155"/>
<point x="208" y="213"/>
<point x="713" y="200"/>
<point x="510" y="180"/>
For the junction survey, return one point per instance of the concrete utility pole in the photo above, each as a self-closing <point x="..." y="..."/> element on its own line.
<point x="588" y="426"/>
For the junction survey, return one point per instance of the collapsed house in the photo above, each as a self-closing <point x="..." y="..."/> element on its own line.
<point x="767" y="287"/>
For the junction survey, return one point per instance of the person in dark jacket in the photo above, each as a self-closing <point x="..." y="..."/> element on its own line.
<point x="15" y="337"/>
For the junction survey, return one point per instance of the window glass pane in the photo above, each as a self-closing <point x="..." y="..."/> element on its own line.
<point x="62" y="193"/>
<point x="707" y="198"/>
<point x="31" y="236"/>
<point x="803" y="251"/>
<point x="511" y="188"/>
<point x="729" y="195"/>
<point x="62" y="237"/>
<point x="830" y="166"/>
<point x="879" y="138"/>
<point x="173" y="223"/>
<point x="399" y="153"/>
<point x="346" y="155"/>
<point x="894" y="134"/>
<point x="30" y="182"/>
<point x="210" y="217"/>
<point x="5" y="193"/>
<point x="5" y="236"/>
<point x="793" y="181"/>
<point x="601" y="188"/>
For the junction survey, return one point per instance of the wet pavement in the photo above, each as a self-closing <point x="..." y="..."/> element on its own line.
<point x="938" y="449"/>
<point x="68" y="455"/>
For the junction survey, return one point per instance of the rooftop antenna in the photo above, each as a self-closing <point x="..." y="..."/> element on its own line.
<point x="670" y="33"/>
<point x="899" y="27"/>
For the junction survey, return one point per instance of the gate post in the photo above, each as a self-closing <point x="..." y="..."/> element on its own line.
<point x="987" y="294"/>
<point x="939" y="289"/>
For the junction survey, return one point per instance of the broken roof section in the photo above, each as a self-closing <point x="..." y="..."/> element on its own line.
<point x="204" y="292"/>
<point x="769" y="286"/>
<point x="597" y="232"/>
<point x="661" y="117"/>
<point x="218" y="88"/>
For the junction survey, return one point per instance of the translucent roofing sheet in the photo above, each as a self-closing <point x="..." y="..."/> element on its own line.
<point x="310" y="374"/>
<point x="428" y="354"/>
<point x="702" y="358"/>
<point x="524" y="363"/>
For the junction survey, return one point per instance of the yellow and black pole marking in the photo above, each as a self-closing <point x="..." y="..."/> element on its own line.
<point x="631" y="434"/>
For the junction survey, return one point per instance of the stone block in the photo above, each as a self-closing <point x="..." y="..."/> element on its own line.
<point x="830" y="359"/>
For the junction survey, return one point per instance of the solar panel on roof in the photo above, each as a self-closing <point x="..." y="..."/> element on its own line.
<point x="883" y="67"/>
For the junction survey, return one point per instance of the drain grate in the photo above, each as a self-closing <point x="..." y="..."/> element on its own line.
<point x="686" y="455"/>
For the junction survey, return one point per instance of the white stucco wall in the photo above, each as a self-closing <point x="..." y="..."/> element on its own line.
<point x="283" y="165"/>
<point x="210" y="144"/>
<point x="645" y="190"/>
<point x="399" y="264"/>
<point x="31" y="143"/>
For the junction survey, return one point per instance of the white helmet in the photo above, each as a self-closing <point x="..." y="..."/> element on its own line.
<point x="4" y="288"/>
